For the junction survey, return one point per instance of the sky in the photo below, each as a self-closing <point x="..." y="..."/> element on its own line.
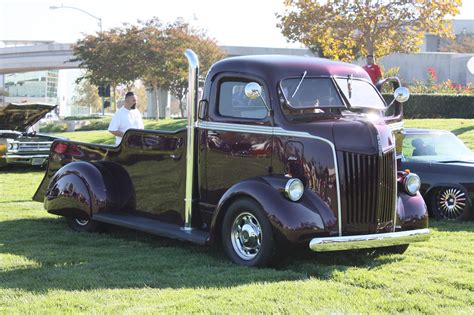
<point x="236" y="23"/>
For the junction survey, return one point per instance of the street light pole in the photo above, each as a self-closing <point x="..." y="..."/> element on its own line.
<point x="78" y="9"/>
<point x="100" y="27"/>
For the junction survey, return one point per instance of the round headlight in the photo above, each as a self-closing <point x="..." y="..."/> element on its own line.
<point x="294" y="189"/>
<point x="412" y="184"/>
<point x="14" y="146"/>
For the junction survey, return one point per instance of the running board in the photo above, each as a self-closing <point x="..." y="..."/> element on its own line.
<point x="153" y="226"/>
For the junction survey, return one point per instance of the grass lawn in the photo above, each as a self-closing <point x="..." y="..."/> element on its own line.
<point x="47" y="268"/>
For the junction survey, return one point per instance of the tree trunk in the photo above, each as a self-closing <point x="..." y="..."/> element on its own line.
<point x="181" y="107"/>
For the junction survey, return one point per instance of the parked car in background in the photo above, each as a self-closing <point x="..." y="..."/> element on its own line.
<point x="446" y="169"/>
<point x="19" y="143"/>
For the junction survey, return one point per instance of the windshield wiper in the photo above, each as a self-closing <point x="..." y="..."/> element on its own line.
<point x="298" y="86"/>
<point x="349" y="85"/>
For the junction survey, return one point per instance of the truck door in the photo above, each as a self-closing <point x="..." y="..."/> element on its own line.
<point x="235" y="140"/>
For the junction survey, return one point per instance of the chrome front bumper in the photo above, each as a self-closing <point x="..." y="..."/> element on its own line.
<point x="30" y="159"/>
<point x="324" y="244"/>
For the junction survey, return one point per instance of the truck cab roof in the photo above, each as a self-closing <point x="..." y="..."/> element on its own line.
<point x="278" y="67"/>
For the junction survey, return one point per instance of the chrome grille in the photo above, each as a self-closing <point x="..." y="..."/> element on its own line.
<point x="369" y="185"/>
<point x="33" y="146"/>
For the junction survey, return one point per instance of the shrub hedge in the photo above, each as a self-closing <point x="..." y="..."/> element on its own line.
<point x="53" y="127"/>
<point x="437" y="106"/>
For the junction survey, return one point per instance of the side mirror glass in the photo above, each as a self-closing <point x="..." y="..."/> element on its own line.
<point x="253" y="90"/>
<point x="401" y="94"/>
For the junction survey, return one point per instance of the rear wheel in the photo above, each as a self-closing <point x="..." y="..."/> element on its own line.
<point x="83" y="225"/>
<point x="450" y="203"/>
<point x="247" y="235"/>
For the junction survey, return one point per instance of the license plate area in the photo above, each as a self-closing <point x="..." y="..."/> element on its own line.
<point x="37" y="161"/>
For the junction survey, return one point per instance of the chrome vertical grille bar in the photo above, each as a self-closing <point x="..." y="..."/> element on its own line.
<point x="370" y="190"/>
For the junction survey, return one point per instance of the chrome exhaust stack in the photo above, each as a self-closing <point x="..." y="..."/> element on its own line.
<point x="192" y="99"/>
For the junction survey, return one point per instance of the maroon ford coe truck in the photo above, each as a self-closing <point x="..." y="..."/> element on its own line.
<point x="284" y="151"/>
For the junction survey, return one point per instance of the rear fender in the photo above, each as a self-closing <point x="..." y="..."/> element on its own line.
<point x="291" y="221"/>
<point x="77" y="189"/>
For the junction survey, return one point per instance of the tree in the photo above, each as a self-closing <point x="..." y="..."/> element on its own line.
<point x="85" y="95"/>
<point x="148" y="51"/>
<point x="177" y="37"/>
<point x="167" y="66"/>
<point x="347" y="29"/>
<point x="112" y="57"/>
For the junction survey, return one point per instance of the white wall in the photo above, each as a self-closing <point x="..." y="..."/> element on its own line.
<point x="414" y="67"/>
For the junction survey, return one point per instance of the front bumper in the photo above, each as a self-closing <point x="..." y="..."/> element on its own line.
<point x="31" y="159"/>
<point x="324" y="244"/>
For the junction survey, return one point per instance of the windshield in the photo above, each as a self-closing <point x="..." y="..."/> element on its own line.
<point x="438" y="147"/>
<point x="304" y="92"/>
<point x="360" y="93"/>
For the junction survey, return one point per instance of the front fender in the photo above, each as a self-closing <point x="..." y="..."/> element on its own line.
<point x="412" y="212"/>
<point x="77" y="189"/>
<point x="291" y="221"/>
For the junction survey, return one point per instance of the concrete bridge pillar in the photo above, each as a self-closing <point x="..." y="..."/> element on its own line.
<point x="2" y="89"/>
<point x="151" y="108"/>
<point x="163" y="103"/>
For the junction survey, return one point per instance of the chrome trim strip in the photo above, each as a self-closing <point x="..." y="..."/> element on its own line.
<point x="322" y="244"/>
<point x="278" y="131"/>
<point x="193" y="75"/>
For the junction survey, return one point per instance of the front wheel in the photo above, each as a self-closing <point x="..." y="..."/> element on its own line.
<point x="450" y="203"/>
<point x="247" y="235"/>
<point x="83" y="225"/>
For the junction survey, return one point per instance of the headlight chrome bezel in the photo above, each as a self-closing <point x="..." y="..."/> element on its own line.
<point x="294" y="189"/>
<point x="408" y="182"/>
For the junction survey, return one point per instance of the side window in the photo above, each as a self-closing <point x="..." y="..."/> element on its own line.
<point x="234" y="103"/>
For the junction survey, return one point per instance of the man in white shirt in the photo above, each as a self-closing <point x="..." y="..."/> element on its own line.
<point x="126" y="117"/>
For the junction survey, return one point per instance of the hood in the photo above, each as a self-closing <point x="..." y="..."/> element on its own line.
<point x="19" y="117"/>
<point x="362" y="136"/>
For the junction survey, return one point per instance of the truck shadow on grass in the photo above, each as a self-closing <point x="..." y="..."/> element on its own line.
<point x="43" y="254"/>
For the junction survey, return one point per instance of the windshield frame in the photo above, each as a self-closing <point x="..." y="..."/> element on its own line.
<point x="362" y="80"/>
<point x="345" y="101"/>
<point x="338" y="91"/>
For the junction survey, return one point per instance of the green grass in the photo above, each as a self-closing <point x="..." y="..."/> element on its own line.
<point x="47" y="268"/>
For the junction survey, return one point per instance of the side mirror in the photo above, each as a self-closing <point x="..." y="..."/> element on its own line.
<point x="253" y="90"/>
<point x="401" y="94"/>
<point x="202" y="111"/>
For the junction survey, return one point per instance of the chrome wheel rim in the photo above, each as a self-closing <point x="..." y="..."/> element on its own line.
<point x="451" y="203"/>
<point x="246" y="236"/>
<point x="82" y="222"/>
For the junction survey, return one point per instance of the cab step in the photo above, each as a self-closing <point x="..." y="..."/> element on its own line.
<point x="154" y="226"/>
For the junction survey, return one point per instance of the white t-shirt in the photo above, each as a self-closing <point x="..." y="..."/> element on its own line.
<point x="125" y="119"/>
